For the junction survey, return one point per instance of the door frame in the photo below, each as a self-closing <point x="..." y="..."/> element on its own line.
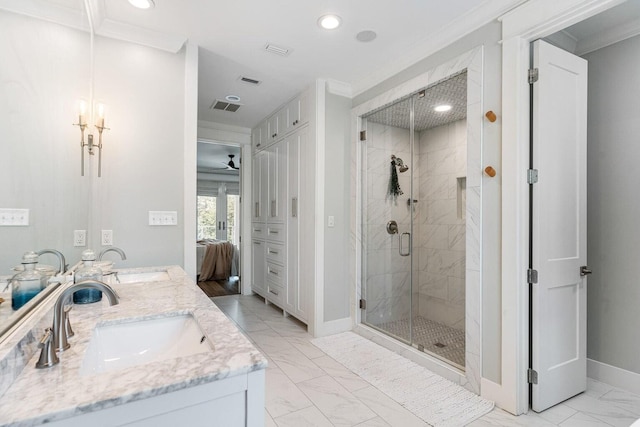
<point x="530" y="21"/>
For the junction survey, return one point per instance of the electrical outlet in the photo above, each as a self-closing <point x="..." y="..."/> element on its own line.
<point x="107" y="237"/>
<point x="79" y="237"/>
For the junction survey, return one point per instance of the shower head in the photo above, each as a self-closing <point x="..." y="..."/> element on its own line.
<point x="401" y="166"/>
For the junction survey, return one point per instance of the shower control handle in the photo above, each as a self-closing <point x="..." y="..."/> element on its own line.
<point x="400" y="245"/>
<point x="392" y="227"/>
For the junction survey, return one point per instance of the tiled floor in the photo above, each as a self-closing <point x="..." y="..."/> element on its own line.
<point x="439" y="339"/>
<point x="305" y="387"/>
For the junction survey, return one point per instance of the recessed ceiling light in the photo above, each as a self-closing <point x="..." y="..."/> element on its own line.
<point x="442" y="108"/>
<point x="366" y="36"/>
<point x="232" y="98"/>
<point x="142" y="4"/>
<point x="329" y="22"/>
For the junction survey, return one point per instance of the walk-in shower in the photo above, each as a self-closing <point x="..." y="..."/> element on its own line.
<point x="414" y="168"/>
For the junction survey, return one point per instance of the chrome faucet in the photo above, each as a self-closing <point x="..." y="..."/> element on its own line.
<point x="112" y="249"/>
<point x="59" y="329"/>
<point x="63" y="263"/>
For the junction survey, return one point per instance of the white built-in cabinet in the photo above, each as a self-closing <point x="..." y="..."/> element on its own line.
<point x="277" y="178"/>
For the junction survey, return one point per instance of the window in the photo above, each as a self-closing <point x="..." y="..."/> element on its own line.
<point x="206" y="217"/>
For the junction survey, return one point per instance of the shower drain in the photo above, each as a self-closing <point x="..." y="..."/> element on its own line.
<point x="440" y="345"/>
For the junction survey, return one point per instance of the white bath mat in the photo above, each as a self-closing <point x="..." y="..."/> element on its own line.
<point x="430" y="397"/>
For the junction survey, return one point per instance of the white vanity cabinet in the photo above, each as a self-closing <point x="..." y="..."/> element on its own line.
<point x="276" y="249"/>
<point x="231" y="402"/>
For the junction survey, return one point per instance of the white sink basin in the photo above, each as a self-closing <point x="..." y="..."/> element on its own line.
<point x="119" y="346"/>
<point x="151" y="276"/>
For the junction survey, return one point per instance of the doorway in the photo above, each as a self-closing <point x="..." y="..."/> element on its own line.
<point x="218" y="218"/>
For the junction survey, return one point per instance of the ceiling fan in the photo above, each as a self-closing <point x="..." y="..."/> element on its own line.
<point x="230" y="165"/>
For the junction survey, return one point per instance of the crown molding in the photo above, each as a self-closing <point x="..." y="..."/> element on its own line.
<point x="48" y="11"/>
<point x="608" y="37"/>
<point x="339" y="88"/>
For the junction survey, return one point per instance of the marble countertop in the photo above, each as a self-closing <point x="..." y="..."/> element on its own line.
<point x="41" y="395"/>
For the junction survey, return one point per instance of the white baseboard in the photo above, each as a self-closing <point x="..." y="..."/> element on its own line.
<point x="333" y="327"/>
<point x="614" y="376"/>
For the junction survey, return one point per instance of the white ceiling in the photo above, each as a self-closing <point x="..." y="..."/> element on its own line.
<point x="232" y="36"/>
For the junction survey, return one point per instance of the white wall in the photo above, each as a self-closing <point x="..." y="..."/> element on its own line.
<point x="613" y="294"/>
<point x="337" y="157"/>
<point x="44" y="70"/>
<point x="489" y="37"/>
<point x="143" y="156"/>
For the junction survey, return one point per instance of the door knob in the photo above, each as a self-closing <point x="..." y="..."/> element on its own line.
<point x="584" y="270"/>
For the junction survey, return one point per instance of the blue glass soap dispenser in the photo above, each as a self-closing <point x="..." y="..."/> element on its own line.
<point x="27" y="283"/>
<point x="87" y="271"/>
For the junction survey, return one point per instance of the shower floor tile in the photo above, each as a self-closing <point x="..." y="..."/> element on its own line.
<point x="438" y="339"/>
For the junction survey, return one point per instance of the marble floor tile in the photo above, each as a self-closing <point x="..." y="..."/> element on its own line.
<point x="268" y="421"/>
<point x="296" y="365"/>
<point x="282" y="395"/>
<point x="308" y="417"/>
<point x="305" y="387"/>
<point x="388" y="409"/>
<point x="374" y="422"/>
<point x="601" y="410"/>
<point x="557" y="414"/>
<point x="623" y="399"/>
<point x="335" y="402"/>
<point x="582" y="420"/>
<point x="304" y="346"/>
<point x="342" y="375"/>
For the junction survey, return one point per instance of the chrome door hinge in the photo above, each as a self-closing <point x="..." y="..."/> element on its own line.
<point x="532" y="276"/>
<point x="363" y="304"/>
<point x="363" y="135"/>
<point x="532" y="376"/>
<point x="533" y="75"/>
<point x="532" y="176"/>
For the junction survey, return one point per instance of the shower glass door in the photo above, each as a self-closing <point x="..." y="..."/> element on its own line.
<point x="413" y="219"/>
<point x="387" y="222"/>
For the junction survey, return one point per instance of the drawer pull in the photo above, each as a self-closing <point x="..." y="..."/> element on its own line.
<point x="274" y="232"/>
<point x="271" y="251"/>
<point x="257" y="243"/>
<point x="275" y="273"/>
<point x="273" y="292"/>
<point x="257" y="230"/>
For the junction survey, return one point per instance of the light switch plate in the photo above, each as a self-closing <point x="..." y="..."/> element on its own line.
<point x="331" y="222"/>
<point x="14" y="217"/>
<point x="163" y="218"/>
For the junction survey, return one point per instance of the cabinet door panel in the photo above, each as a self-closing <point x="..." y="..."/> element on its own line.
<point x="258" y="283"/>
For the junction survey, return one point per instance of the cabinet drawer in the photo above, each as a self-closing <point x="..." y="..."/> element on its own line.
<point x="275" y="252"/>
<point x="275" y="232"/>
<point x="275" y="293"/>
<point x="275" y="273"/>
<point x="258" y="231"/>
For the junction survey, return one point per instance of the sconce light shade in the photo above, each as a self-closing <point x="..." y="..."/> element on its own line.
<point x="82" y="124"/>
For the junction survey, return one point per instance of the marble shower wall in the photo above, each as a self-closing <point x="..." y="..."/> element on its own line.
<point x="440" y="240"/>
<point x="388" y="282"/>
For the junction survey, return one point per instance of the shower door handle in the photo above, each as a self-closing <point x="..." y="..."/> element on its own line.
<point x="400" y="245"/>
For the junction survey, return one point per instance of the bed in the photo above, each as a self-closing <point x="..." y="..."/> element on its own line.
<point x="216" y="259"/>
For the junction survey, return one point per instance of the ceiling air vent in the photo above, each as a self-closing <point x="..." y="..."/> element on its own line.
<point x="224" y="106"/>
<point x="282" y="51"/>
<point x="249" y="80"/>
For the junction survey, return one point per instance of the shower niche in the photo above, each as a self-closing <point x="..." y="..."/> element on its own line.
<point x="414" y="173"/>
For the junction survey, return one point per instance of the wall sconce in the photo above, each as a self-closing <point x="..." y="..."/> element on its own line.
<point x="82" y="124"/>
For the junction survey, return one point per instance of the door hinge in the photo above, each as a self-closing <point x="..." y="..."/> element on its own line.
<point x="363" y="304"/>
<point x="532" y="276"/>
<point x="532" y="176"/>
<point x="533" y="75"/>
<point x="363" y="135"/>
<point x="532" y="376"/>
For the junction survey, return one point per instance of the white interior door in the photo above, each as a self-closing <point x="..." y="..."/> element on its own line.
<point x="559" y="222"/>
